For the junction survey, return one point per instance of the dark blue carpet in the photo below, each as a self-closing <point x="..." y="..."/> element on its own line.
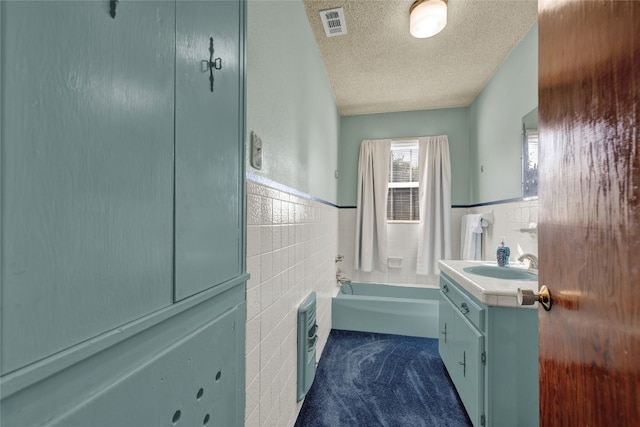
<point x="366" y="379"/>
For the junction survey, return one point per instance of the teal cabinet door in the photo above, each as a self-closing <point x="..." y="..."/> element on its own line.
<point x="207" y="147"/>
<point x="446" y="321"/>
<point x="193" y="382"/>
<point x="87" y="170"/>
<point x="469" y="372"/>
<point x="462" y="347"/>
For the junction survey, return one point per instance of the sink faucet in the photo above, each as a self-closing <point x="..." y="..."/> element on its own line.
<point x="533" y="261"/>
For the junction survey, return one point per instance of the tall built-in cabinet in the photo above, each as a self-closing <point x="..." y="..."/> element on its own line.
<point x="122" y="213"/>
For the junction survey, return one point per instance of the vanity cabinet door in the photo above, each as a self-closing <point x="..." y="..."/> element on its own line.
<point x="469" y="377"/>
<point x="461" y="346"/>
<point x="445" y="342"/>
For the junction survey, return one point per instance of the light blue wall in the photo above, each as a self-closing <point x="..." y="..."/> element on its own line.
<point x="495" y="124"/>
<point x="452" y="121"/>
<point x="487" y="133"/>
<point x="290" y="103"/>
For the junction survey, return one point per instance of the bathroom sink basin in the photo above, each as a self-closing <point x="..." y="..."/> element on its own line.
<point x="501" y="272"/>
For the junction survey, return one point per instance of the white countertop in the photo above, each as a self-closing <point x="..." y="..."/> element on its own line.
<point x="488" y="290"/>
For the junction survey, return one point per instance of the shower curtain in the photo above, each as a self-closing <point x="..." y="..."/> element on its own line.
<point x="434" y="231"/>
<point x="371" y="212"/>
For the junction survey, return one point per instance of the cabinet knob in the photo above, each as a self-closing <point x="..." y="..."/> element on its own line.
<point x="528" y="297"/>
<point x="445" y="288"/>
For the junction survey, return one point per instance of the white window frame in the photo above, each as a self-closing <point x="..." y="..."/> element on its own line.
<point x="400" y="145"/>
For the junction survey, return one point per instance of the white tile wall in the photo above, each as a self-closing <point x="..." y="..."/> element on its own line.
<point x="291" y="246"/>
<point x="402" y="241"/>
<point x="509" y="220"/>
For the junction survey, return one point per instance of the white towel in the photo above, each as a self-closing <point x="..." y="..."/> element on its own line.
<point x="471" y="237"/>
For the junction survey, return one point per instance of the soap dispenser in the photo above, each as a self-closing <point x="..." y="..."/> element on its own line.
<point x="502" y="254"/>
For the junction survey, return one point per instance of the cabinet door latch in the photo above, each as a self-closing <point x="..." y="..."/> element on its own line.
<point x="211" y="64"/>
<point x="464" y="308"/>
<point x="112" y="8"/>
<point x="464" y="363"/>
<point x="483" y="358"/>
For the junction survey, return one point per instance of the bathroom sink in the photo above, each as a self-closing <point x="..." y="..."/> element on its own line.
<point x="501" y="272"/>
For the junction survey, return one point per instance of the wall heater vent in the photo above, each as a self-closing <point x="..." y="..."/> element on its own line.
<point x="333" y="22"/>
<point x="307" y="339"/>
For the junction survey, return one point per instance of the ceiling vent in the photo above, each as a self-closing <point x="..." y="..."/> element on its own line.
<point x="333" y="22"/>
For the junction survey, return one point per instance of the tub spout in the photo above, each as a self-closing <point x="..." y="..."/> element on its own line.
<point x="340" y="278"/>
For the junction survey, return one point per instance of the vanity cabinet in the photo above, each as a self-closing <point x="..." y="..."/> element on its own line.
<point x="491" y="355"/>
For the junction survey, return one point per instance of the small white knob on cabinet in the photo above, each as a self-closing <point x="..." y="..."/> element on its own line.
<point x="528" y="297"/>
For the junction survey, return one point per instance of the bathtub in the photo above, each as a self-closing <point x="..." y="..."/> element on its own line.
<point x="390" y="309"/>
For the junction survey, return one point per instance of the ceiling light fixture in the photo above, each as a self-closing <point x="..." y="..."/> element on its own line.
<point x="427" y="18"/>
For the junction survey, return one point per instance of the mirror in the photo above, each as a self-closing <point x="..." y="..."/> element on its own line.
<point x="530" y="155"/>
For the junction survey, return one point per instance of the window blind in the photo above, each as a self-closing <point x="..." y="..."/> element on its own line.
<point x="403" y="203"/>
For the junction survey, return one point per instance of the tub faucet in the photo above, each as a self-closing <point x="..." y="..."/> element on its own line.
<point x="533" y="261"/>
<point x="340" y="278"/>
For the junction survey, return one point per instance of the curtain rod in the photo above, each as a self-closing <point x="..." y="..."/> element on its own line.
<point x="414" y="137"/>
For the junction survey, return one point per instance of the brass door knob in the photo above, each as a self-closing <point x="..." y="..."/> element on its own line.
<point x="528" y="297"/>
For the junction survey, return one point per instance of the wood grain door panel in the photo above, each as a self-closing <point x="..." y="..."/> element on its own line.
<point x="589" y="230"/>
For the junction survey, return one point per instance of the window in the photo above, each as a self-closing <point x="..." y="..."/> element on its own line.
<point x="530" y="164"/>
<point x="402" y="204"/>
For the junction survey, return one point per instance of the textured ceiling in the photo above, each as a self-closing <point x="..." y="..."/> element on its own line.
<point x="378" y="67"/>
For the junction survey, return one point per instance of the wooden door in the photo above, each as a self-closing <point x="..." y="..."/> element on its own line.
<point x="208" y="157"/>
<point x="589" y="220"/>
